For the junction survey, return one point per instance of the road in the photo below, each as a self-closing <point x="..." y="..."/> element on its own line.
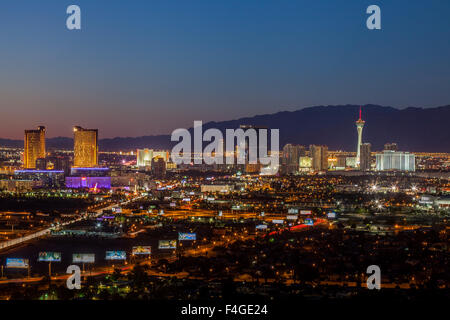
<point x="14" y="242"/>
<point x="199" y="251"/>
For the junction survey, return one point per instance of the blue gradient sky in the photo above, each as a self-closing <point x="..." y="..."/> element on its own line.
<point x="147" y="67"/>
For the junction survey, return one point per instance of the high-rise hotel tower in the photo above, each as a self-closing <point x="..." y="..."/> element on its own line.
<point x="34" y="147"/>
<point x="85" y="147"/>
<point x="359" y="127"/>
<point x="319" y="155"/>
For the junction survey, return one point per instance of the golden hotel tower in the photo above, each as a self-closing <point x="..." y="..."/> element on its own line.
<point x="34" y="147"/>
<point x="85" y="147"/>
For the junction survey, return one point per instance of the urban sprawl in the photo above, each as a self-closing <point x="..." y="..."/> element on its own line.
<point x="142" y="227"/>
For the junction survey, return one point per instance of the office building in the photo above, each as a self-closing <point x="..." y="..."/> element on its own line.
<point x="43" y="178"/>
<point x="158" y="167"/>
<point x="85" y="148"/>
<point x="34" y="147"/>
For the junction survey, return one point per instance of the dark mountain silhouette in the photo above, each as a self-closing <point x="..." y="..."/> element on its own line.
<point x="413" y="129"/>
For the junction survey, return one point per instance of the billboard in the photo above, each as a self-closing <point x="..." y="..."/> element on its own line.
<point x="293" y="211"/>
<point x="88" y="182"/>
<point x="292" y="217"/>
<point x="305" y="162"/>
<point x="309" y="222"/>
<point x="278" y="221"/>
<point x="141" y="250"/>
<point x="83" y="258"/>
<point x="305" y="212"/>
<point x="186" y="236"/>
<point x="331" y="215"/>
<point x="16" y="263"/>
<point x="116" y="255"/>
<point x="167" y="244"/>
<point x="261" y="227"/>
<point x="49" y="256"/>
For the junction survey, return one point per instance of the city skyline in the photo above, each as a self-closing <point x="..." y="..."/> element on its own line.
<point x="85" y="155"/>
<point x="69" y="129"/>
<point x="225" y="159"/>
<point x="320" y="125"/>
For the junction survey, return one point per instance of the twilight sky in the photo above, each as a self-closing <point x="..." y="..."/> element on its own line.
<point x="146" y="67"/>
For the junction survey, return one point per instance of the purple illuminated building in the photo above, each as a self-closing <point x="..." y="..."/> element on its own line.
<point x="89" y="178"/>
<point x="88" y="182"/>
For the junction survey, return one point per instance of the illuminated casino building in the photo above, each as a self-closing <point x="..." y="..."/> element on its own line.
<point x="34" y="147"/>
<point x="85" y="147"/>
<point x="395" y="160"/>
<point x="44" y="178"/>
<point x="89" y="178"/>
<point x="359" y="127"/>
<point x="145" y="157"/>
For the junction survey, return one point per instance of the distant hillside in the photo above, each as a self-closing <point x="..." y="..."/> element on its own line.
<point x="414" y="129"/>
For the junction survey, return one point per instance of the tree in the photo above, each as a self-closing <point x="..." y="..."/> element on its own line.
<point x="116" y="275"/>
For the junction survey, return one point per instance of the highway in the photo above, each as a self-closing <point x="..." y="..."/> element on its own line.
<point x="14" y="242"/>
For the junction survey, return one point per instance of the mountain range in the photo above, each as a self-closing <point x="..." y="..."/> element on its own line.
<point x="413" y="129"/>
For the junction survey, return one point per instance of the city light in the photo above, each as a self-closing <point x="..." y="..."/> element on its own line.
<point x="226" y="173"/>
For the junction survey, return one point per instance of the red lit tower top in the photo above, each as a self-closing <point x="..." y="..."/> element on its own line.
<point x="360" y="120"/>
